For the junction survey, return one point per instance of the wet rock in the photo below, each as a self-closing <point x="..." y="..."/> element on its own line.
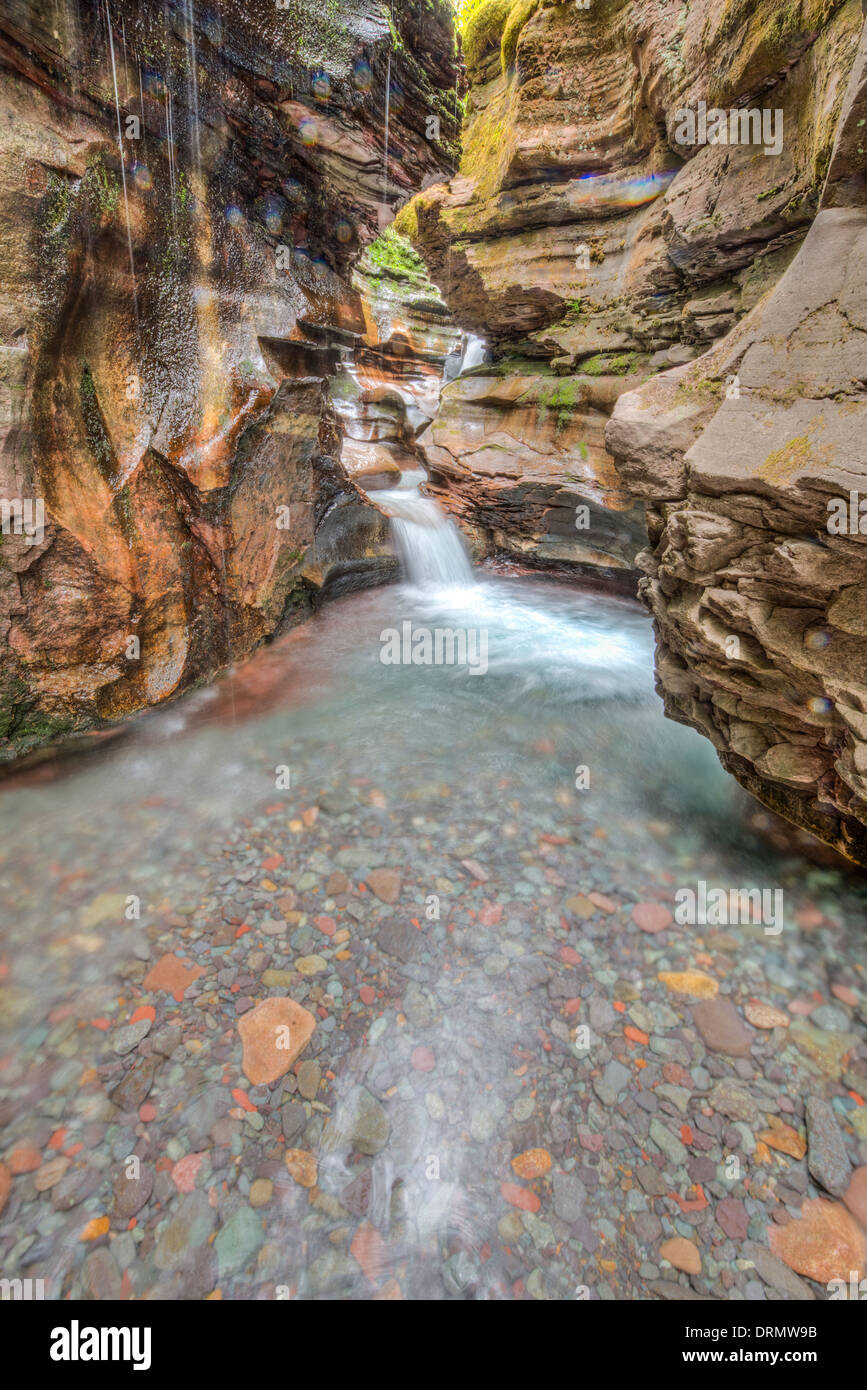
<point x="825" y="1243"/>
<point x="204" y="1110"/>
<point x="533" y="1163"/>
<point x="459" y="1272"/>
<point x="855" y="1196"/>
<point x="168" y="1039"/>
<point x="735" y="1102"/>
<point x="135" y="1086"/>
<point x="384" y="884"/>
<point x="273" y="1033"/>
<point x="398" y="939"/>
<point x="332" y="1273"/>
<point x="132" y="1193"/>
<point x="668" y="1143"/>
<point x="826" y="1150"/>
<point x="172" y="975"/>
<point x="238" y="1240"/>
<point x="309" y="1076"/>
<point x="74" y="1187"/>
<point x="293" y="1118"/>
<point x="100" y="1275"/>
<point x="359" y="1122"/>
<point x="732" y="1216"/>
<point x="569" y="1195"/>
<point x="192" y="1223"/>
<point x="721" y="1027"/>
<point x="125" y="1039"/>
<point x="602" y="1015"/>
<point x="301" y="1167"/>
<point x="765" y="1015"/>
<point x="681" y="1253"/>
<point x="49" y="1174"/>
<point x="830" y="1018"/>
<point x="652" y="917"/>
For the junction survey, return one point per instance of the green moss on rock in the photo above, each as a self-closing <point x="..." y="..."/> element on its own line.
<point x="483" y="28"/>
<point x="393" y="252"/>
<point x="519" y="15"/>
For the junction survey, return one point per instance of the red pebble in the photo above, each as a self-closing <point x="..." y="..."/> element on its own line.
<point x="519" y="1197"/>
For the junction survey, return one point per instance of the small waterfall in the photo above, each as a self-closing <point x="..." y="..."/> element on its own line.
<point x="194" y="83"/>
<point x="387" y="116"/>
<point x="474" y="354"/>
<point x="122" y="160"/>
<point x="430" y="545"/>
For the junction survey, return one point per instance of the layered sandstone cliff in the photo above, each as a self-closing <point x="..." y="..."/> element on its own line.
<point x="754" y="463"/>
<point x="185" y="194"/>
<point x="592" y="249"/>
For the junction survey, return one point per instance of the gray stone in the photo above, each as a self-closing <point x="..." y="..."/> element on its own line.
<point x="238" y="1241"/>
<point x="359" y="1122"/>
<point x="668" y="1143"/>
<point x="125" y="1039"/>
<point x="570" y="1195"/>
<point x="826" y="1151"/>
<point x="775" y="1273"/>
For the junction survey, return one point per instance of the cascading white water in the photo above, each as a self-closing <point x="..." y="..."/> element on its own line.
<point x="474" y="354"/>
<point x="430" y="545"/>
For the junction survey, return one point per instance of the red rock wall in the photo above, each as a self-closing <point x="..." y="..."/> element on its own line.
<point x="157" y="292"/>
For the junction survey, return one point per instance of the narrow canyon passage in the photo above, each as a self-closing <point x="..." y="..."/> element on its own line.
<point x="525" y="1078"/>
<point x="433" y="665"/>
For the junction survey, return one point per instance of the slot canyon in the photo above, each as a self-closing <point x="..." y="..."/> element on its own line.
<point x="433" y="651"/>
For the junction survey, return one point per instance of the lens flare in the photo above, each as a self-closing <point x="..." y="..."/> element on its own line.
<point x="322" y="86"/>
<point x="362" y="76"/>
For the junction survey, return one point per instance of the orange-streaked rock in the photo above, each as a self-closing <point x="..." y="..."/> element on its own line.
<point x="371" y="1252"/>
<point x="695" y="983"/>
<point x="520" y="1197"/>
<point x="301" y="1167"/>
<point x="172" y="975"/>
<point x="651" y="917"/>
<point x="681" y="1253"/>
<point x="765" y="1015"/>
<point x="533" y="1163"/>
<point x="855" y="1196"/>
<point x="785" y="1140"/>
<point x="274" y="1033"/>
<point x="825" y="1243"/>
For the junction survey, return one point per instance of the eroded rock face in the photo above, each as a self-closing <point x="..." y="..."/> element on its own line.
<point x="592" y="249"/>
<point x="387" y="390"/>
<point x="757" y="565"/>
<point x="519" y="458"/>
<point x="182" y="209"/>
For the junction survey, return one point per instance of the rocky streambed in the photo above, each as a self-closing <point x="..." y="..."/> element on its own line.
<point x="510" y="1070"/>
<point x="345" y="976"/>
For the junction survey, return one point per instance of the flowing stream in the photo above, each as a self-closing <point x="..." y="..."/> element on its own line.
<point x="454" y="871"/>
<point x="430" y="545"/>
